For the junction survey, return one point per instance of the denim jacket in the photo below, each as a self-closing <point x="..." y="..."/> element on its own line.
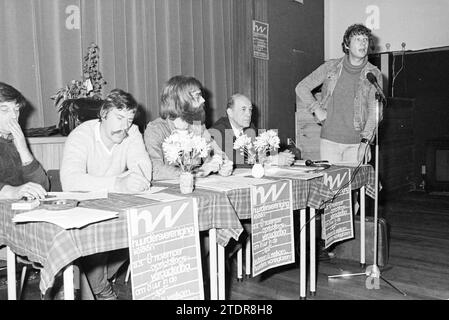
<point x="365" y="103"/>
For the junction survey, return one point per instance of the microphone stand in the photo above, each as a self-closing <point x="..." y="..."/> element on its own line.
<point x="373" y="271"/>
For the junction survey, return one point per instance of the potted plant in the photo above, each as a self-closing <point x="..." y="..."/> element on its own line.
<point x="257" y="150"/>
<point x="89" y="88"/>
<point x="185" y="150"/>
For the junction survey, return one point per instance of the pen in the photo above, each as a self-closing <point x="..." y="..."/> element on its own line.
<point x="143" y="175"/>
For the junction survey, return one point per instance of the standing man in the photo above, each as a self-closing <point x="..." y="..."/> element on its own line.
<point x="21" y="175"/>
<point x="237" y="122"/>
<point x="346" y="107"/>
<point x="107" y="153"/>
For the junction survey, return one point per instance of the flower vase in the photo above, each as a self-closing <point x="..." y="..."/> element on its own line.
<point x="186" y="182"/>
<point x="258" y="170"/>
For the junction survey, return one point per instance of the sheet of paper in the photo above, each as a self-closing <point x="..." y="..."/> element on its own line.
<point x="161" y="196"/>
<point x="80" y="196"/>
<point x="68" y="219"/>
<point x="219" y="183"/>
<point x="151" y="191"/>
<point x="241" y="172"/>
<point x="291" y="173"/>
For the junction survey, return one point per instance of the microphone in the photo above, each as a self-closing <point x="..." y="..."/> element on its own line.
<point x="372" y="78"/>
<point x="311" y="163"/>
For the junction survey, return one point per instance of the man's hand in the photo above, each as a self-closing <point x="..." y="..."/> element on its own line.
<point x="20" y="141"/>
<point x="132" y="182"/>
<point x="226" y="168"/>
<point x="212" y="165"/>
<point x="286" y="158"/>
<point x="29" y="190"/>
<point x="320" y="114"/>
<point x="364" y="152"/>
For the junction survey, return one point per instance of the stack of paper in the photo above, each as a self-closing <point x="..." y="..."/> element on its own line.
<point x="68" y="219"/>
<point x="80" y="196"/>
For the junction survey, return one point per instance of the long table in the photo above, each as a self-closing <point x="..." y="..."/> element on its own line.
<point x="308" y="196"/>
<point x="52" y="248"/>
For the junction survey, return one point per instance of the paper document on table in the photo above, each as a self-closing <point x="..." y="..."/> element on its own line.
<point x="162" y="196"/>
<point x="151" y="191"/>
<point x="219" y="183"/>
<point x="241" y="172"/>
<point x="80" y="196"/>
<point x="291" y="173"/>
<point x="68" y="219"/>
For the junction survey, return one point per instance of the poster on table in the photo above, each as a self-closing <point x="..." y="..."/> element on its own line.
<point x="164" y="251"/>
<point x="337" y="217"/>
<point x="272" y="234"/>
<point x="260" y="40"/>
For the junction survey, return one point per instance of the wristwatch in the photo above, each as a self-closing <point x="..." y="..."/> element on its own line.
<point x="364" y="140"/>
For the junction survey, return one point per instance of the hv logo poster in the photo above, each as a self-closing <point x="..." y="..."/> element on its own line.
<point x="164" y="251"/>
<point x="337" y="218"/>
<point x="272" y="225"/>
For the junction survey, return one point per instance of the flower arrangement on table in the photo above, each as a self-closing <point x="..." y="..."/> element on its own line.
<point x="185" y="150"/>
<point x="257" y="150"/>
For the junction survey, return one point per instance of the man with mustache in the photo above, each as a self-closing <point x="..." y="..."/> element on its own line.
<point x="107" y="153"/>
<point x="182" y="108"/>
<point x="346" y="106"/>
<point x="238" y="121"/>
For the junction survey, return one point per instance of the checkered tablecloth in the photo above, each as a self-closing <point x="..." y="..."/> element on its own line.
<point x="52" y="248"/>
<point x="306" y="193"/>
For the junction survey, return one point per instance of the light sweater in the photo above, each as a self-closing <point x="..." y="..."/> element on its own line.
<point x="88" y="165"/>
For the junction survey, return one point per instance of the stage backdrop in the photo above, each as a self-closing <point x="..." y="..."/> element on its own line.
<point x="142" y="44"/>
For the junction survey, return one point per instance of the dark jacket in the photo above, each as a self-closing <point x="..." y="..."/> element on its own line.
<point x="13" y="173"/>
<point x="223" y="134"/>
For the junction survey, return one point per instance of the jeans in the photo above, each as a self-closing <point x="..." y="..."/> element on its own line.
<point x="338" y="152"/>
<point x="102" y="266"/>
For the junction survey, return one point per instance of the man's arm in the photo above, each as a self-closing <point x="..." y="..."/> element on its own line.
<point x="368" y="131"/>
<point x="305" y="87"/>
<point x="138" y="159"/>
<point x="73" y="173"/>
<point x="154" y="137"/>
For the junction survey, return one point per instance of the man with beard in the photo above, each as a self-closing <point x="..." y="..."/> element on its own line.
<point x="107" y="153"/>
<point x="182" y="108"/>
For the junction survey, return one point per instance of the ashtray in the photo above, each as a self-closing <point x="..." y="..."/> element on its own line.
<point x="58" y="204"/>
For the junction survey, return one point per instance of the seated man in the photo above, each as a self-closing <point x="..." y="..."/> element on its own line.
<point x="106" y="153"/>
<point x="182" y="108"/>
<point x="237" y="122"/>
<point x="21" y="175"/>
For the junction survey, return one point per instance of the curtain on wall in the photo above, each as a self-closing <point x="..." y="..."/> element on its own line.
<point x="142" y="44"/>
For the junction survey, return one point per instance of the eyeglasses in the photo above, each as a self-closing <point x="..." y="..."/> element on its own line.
<point x="196" y="95"/>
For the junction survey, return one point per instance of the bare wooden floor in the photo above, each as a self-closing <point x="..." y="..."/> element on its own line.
<point x="418" y="263"/>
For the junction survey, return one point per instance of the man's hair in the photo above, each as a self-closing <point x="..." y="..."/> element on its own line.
<point x="232" y="99"/>
<point x="354" y="30"/>
<point x="118" y="99"/>
<point x="176" y="100"/>
<point x="10" y="94"/>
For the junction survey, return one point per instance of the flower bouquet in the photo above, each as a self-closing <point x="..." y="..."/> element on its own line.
<point x="185" y="150"/>
<point x="257" y="151"/>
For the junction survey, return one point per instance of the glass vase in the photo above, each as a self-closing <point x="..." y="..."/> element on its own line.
<point x="258" y="170"/>
<point x="186" y="182"/>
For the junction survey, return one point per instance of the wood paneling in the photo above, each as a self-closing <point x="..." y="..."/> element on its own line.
<point x="48" y="151"/>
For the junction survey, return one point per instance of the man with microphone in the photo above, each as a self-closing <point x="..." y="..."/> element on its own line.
<point x="346" y="106"/>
